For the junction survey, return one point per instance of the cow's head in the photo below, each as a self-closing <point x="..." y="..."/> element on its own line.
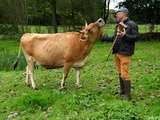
<point x="92" y="31"/>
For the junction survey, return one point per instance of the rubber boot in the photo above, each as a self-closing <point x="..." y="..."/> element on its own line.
<point x="121" y="93"/>
<point x="127" y="90"/>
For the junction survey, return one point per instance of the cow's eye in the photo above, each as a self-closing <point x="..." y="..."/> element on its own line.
<point x="89" y="30"/>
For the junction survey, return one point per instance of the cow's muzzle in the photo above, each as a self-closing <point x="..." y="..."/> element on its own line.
<point x="100" y="22"/>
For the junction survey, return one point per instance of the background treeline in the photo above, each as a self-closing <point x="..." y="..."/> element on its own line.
<point x="19" y="16"/>
<point x="70" y="13"/>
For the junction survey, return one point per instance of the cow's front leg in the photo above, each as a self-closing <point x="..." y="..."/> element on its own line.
<point x="67" y="67"/>
<point x="78" y="78"/>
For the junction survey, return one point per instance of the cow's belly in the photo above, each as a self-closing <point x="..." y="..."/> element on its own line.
<point x="49" y="62"/>
<point x="52" y="66"/>
<point x="79" y="64"/>
<point x="58" y="63"/>
<point x="49" y="57"/>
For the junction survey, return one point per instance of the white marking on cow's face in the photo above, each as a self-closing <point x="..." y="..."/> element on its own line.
<point x="84" y="34"/>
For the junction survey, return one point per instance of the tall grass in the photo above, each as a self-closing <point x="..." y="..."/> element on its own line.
<point x="8" y="54"/>
<point x="8" y="58"/>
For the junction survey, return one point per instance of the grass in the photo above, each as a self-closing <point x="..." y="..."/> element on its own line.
<point x="96" y="100"/>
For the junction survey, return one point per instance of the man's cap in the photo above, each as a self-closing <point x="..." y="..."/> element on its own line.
<point x="122" y="9"/>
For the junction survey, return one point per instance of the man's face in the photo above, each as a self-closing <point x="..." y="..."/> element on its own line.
<point x="120" y="16"/>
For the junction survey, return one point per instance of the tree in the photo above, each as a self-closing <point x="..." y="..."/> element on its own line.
<point x="106" y="14"/>
<point x="71" y="13"/>
<point x="12" y="13"/>
<point x="54" y="15"/>
<point x="144" y="11"/>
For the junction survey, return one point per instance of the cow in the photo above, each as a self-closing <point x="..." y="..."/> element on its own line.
<point x="57" y="50"/>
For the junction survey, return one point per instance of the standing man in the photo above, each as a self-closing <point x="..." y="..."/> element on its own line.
<point x="123" y="49"/>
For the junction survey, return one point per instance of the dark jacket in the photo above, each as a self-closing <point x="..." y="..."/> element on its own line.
<point x="126" y="44"/>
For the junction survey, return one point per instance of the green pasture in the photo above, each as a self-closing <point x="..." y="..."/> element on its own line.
<point x="96" y="100"/>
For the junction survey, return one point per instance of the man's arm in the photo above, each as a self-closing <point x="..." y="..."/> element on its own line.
<point x="106" y="38"/>
<point x="132" y="32"/>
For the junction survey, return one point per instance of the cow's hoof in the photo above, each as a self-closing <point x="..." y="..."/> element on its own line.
<point x="35" y="88"/>
<point x="61" y="88"/>
<point x="27" y="84"/>
<point x="79" y="86"/>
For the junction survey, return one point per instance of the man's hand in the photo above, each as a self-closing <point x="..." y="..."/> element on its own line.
<point x="121" y="34"/>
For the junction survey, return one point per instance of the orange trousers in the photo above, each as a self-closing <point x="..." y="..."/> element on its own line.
<point x="122" y="65"/>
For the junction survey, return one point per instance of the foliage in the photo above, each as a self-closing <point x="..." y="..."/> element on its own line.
<point x="149" y="8"/>
<point x="39" y="12"/>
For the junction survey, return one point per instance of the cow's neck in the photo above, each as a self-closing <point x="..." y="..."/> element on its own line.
<point x="86" y="47"/>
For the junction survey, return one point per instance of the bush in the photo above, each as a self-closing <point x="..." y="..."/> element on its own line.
<point x="8" y="29"/>
<point x="149" y="36"/>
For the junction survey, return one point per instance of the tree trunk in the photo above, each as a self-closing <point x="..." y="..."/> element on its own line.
<point x="106" y="16"/>
<point x="73" y="16"/>
<point x="54" y="17"/>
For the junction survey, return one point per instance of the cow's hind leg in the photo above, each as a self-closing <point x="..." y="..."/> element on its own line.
<point x="67" y="67"/>
<point x="78" y="78"/>
<point x="27" y="76"/>
<point x="30" y="71"/>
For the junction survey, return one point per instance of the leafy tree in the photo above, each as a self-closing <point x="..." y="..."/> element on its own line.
<point x="144" y="11"/>
<point x="72" y="13"/>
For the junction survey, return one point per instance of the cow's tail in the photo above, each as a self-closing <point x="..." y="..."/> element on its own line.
<point x="17" y="59"/>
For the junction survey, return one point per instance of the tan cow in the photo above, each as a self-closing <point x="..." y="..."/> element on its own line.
<point x="59" y="50"/>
